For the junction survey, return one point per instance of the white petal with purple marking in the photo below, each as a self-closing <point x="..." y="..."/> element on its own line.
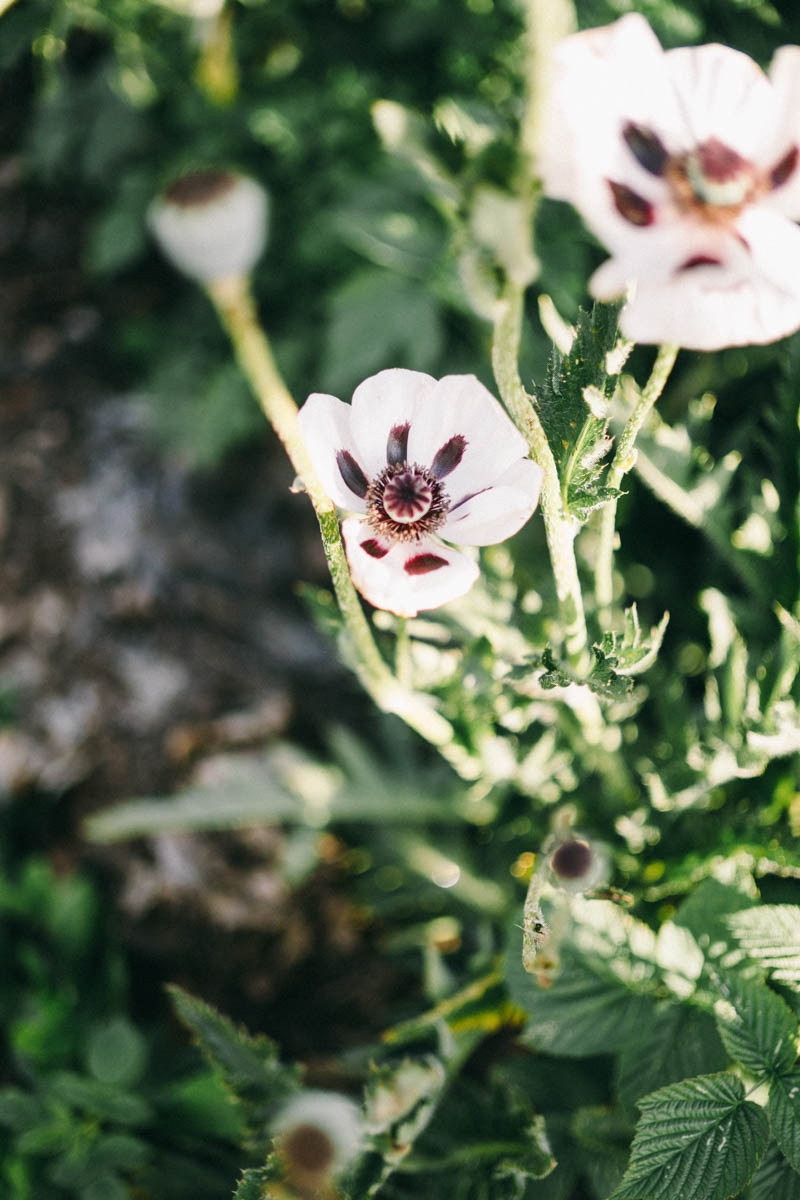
<point x="499" y="512"/>
<point x="384" y="401"/>
<point x="409" y="576"/>
<point x="460" y="406"/>
<point x="325" y="426"/>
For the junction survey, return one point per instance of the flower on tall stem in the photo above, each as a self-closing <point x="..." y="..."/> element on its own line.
<point x="685" y="164"/>
<point x="420" y="463"/>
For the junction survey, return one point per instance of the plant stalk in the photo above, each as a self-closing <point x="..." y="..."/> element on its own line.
<point x="560" y="529"/>
<point x="233" y="300"/>
<point x="624" y="460"/>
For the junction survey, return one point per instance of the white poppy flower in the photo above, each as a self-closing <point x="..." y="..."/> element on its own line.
<point x="418" y="461"/>
<point x="685" y="164"/>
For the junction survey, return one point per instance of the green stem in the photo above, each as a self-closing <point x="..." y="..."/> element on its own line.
<point x="403" y="667"/>
<point x="233" y="301"/>
<point x="624" y="459"/>
<point x="560" y="529"/>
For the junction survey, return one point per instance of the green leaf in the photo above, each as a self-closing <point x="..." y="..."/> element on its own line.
<point x="705" y="914"/>
<point x="606" y="988"/>
<point x="576" y="433"/>
<point x="378" y="318"/>
<point x="770" y="934"/>
<point x="757" y="1028"/>
<point x="630" y="652"/>
<point x="680" y="1042"/>
<point x="604" y="1135"/>
<point x="775" y="1179"/>
<point x="19" y="1110"/>
<point x="253" y="1183"/>
<point x="116" y="1053"/>
<point x="98" y="1099"/>
<point x="587" y="1010"/>
<point x="104" y="1186"/>
<point x="697" y="1140"/>
<point x="604" y="680"/>
<point x="249" y="1065"/>
<point x="119" y="1152"/>
<point x="784" y="1114"/>
<point x="284" y="785"/>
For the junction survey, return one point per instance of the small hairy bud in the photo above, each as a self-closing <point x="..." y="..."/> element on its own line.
<point x="211" y="224"/>
<point x="317" y="1134"/>
<point x="578" y="865"/>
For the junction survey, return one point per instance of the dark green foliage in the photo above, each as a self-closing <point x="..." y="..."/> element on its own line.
<point x="774" y="1179"/>
<point x="757" y="1028"/>
<point x="678" y="1043"/>
<point x="86" y="1113"/>
<point x="700" y="1138"/>
<point x="248" y="1066"/>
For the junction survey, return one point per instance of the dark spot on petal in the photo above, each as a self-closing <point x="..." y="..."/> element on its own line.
<point x="784" y="169"/>
<point x="572" y="859"/>
<point x="421" y="564"/>
<point x="719" y="163"/>
<point x="699" y="260"/>
<point x="449" y="456"/>
<point x="631" y="205"/>
<point x="648" y="149"/>
<point x="373" y="548"/>
<point x="351" y="473"/>
<point x="397" y="445"/>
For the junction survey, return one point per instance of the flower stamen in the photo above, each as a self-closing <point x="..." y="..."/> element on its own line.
<point x="406" y="502"/>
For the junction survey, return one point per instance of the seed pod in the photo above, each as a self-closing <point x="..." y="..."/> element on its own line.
<point x="317" y="1134"/>
<point x="211" y="224"/>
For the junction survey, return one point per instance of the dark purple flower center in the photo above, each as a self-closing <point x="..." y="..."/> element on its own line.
<point x="407" y="496"/>
<point x="713" y="181"/>
<point x="718" y="175"/>
<point x="406" y="502"/>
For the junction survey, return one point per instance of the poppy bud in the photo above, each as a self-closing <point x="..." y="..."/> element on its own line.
<point x="211" y="224"/>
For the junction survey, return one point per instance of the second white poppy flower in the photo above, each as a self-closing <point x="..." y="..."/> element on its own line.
<point x="686" y="164"/>
<point x="420" y="462"/>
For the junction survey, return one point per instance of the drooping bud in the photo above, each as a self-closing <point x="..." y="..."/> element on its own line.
<point x="578" y="865"/>
<point x="317" y="1134"/>
<point x="211" y="224"/>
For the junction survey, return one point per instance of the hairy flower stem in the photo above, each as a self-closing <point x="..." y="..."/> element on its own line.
<point x="624" y="459"/>
<point x="233" y="301"/>
<point x="559" y="526"/>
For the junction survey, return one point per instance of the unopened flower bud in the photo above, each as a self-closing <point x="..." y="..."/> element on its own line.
<point x="578" y="865"/>
<point x="211" y="224"/>
<point x="317" y="1134"/>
